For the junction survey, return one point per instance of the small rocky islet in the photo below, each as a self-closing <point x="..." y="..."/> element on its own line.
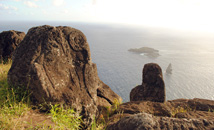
<point x="147" y="51"/>
<point x="56" y="65"/>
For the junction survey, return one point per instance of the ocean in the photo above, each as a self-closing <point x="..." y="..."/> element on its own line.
<point x="191" y="55"/>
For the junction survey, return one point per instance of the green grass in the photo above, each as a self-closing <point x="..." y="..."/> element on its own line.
<point x="15" y="103"/>
<point x="4" y="68"/>
<point x="179" y="109"/>
<point x="113" y="108"/>
<point x="105" y="114"/>
<point x="65" y="118"/>
<point x="12" y="106"/>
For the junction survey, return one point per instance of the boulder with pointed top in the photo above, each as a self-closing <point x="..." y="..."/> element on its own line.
<point x="54" y="63"/>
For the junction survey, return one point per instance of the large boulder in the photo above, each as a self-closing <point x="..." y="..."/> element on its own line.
<point x="152" y="88"/>
<point x="9" y="40"/>
<point x="54" y="63"/>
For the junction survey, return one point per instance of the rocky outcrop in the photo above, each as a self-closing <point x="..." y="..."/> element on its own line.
<point x="54" y="63"/>
<point x="9" y="40"/>
<point x="152" y="88"/>
<point x="169" y="108"/>
<point x="145" y="121"/>
<point x="173" y="114"/>
<point x="145" y="111"/>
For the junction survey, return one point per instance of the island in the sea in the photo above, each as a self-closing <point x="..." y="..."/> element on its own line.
<point x="72" y="81"/>
<point x="150" y="52"/>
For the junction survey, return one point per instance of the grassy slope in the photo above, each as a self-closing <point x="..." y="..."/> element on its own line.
<point x="17" y="113"/>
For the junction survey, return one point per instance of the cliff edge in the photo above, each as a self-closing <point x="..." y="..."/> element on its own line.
<point x="148" y="109"/>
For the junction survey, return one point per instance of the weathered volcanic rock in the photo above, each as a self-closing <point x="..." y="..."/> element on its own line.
<point x="145" y="121"/>
<point x="172" y="113"/>
<point x="170" y="107"/>
<point x="55" y="64"/>
<point x="9" y="40"/>
<point x="152" y="88"/>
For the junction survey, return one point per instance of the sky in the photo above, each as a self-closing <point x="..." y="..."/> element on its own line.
<point x="181" y="14"/>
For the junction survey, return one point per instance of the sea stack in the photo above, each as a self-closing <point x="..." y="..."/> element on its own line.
<point x="152" y="87"/>
<point x="54" y="63"/>
<point x="169" y="69"/>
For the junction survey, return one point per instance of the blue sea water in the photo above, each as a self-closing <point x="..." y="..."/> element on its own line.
<point x="191" y="56"/>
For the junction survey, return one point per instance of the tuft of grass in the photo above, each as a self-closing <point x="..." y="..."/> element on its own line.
<point x="12" y="107"/>
<point x="179" y="109"/>
<point x="10" y="115"/>
<point x="4" y="68"/>
<point x="65" y="118"/>
<point x="113" y="108"/>
<point x="105" y="114"/>
<point x="94" y="125"/>
<point x="116" y="104"/>
<point x="210" y="110"/>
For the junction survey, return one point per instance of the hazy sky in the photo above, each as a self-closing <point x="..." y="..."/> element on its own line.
<point x="184" y="14"/>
